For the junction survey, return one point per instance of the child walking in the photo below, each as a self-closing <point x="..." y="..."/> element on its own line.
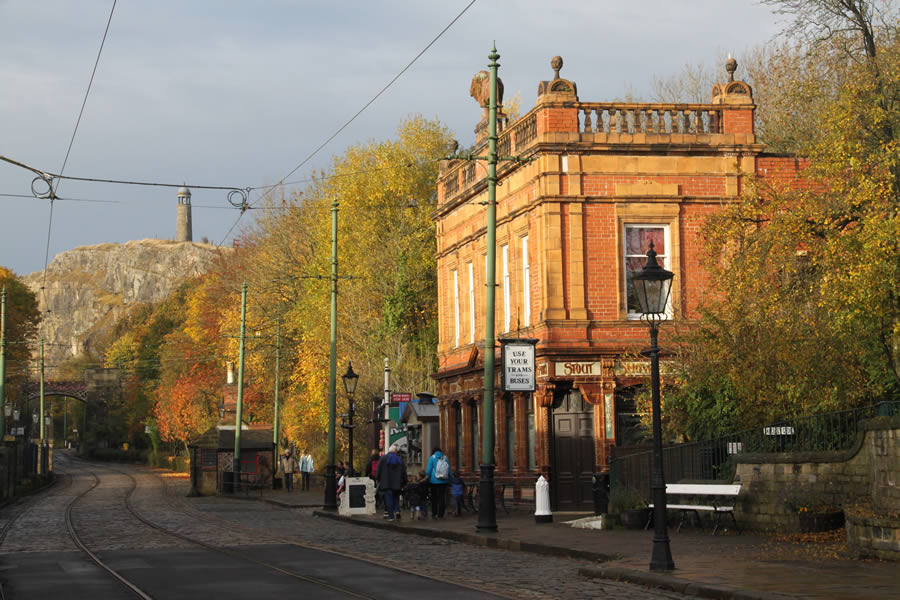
<point x="416" y="493"/>
<point x="457" y="489"/>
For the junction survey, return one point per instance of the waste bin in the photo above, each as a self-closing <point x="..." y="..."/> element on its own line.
<point x="600" y="491"/>
<point x="227" y="482"/>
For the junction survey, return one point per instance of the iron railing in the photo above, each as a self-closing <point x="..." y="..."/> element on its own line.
<point x="712" y="460"/>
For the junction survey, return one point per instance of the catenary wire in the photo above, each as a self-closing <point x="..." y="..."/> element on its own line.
<point x="374" y="98"/>
<point x="72" y="140"/>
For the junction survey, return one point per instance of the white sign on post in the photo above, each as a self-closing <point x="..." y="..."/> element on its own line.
<point x="518" y="365"/>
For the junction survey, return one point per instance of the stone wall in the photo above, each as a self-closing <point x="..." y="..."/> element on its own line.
<point x="870" y="471"/>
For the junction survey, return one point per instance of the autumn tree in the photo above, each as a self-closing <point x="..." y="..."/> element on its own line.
<point x="388" y="291"/>
<point x="22" y="320"/>
<point x="807" y="312"/>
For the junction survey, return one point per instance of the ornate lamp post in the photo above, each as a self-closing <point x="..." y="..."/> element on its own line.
<point x="652" y="285"/>
<point x="350" y="380"/>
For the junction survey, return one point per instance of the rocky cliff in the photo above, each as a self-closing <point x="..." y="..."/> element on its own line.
<point x="88" y="288"/>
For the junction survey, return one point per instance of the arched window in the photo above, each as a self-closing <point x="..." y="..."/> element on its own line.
<point x="510" y="433"/>
<point x="457" y="418"/>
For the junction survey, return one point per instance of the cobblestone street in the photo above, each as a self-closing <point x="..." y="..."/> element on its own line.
<point x="515" y="574"/>
<point x="279" y="541"/>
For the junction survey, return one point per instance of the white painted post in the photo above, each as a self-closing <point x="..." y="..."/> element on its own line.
<point x="542" y="512"/>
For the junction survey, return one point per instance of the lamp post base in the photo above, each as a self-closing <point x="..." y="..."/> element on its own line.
<point x="330" y="489"/>
<point x="487" y="508"/>
<point x="661" y="554"/>
<point x="661" y="558"/>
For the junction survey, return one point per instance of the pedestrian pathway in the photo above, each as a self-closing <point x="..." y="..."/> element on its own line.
<point x="314" y="498"/>
<point x="727" y="565"/>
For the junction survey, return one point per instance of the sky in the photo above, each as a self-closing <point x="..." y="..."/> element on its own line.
<point x="236" y="93"/>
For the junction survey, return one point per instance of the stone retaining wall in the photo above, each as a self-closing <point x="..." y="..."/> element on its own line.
<point x="868" y="472"/>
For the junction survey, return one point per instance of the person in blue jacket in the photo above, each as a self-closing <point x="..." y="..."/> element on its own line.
<point x="439" y="474"/>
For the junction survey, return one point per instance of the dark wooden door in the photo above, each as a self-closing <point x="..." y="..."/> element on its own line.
<point x="573" y="452"/>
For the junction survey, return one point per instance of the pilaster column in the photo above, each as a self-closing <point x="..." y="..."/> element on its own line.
<point x="543" y="406"/>
<point x="551" y="263"/>
<point x="577" y="308"/>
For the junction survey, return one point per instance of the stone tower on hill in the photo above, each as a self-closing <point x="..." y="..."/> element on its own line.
<point x="183" y="232"/>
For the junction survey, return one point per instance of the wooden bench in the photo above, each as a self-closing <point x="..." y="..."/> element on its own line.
<point x="718" y="498"/>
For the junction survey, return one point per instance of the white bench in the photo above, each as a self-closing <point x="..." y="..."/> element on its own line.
<point x="721" y="499"/>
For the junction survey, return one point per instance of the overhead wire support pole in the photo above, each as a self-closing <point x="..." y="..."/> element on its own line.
<point x="487" y="517"/>
<point x="42" y="391"/>
<point x="330" y="483"/>
<point x="487" y="513"/>
<point x="42" y="448"/>
<point x="3" y="361"/>
<point x="236" y="464"/>
<point x="275" y="436"/>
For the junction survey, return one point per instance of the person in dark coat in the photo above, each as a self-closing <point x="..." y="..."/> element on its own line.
<point x="391" y="476"/>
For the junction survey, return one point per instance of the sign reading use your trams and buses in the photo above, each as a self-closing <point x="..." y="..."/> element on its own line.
<point x="518" y="364"/>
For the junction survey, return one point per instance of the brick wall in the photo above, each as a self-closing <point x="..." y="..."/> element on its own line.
<point x="737" y="121"/>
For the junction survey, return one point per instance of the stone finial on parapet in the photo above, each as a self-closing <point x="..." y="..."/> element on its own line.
<point x="730" y="67"/>
<point x="563" y="88"/>
<point x="738" y="119"/>
<point x="732" y="92"/>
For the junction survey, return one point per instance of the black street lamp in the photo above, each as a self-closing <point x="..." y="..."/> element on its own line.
<point x="652" y="285"/>
<point x="350" y="380"/>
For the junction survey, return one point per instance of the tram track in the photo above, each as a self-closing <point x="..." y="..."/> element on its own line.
<point x="212" y="547"/>
<point x="184" y="507"/>
<point x="262" y="534"/>
<point x="97" y="560"/>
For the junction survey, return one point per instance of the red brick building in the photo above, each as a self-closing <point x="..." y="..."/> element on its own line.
<point x="608" y="178"/>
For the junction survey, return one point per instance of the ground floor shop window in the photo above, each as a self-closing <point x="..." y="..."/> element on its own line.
<point x="249" y="463"/>
<point x="476" y="443"/>
<point x="208" y="458"/>
<point x="532" y="435"/>
<point x="414" y="443"/>
<point x="457" y="417"/>
<point x="630" y="427"/>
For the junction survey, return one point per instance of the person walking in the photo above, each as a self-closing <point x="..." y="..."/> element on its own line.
<point x="288" y="466"/>
<point x="372" y="465"/>
<point x="306" y="466"/>
<point x="457" y="490"/>
<point x="391" y="475"/>
<point x="439" y="474"/>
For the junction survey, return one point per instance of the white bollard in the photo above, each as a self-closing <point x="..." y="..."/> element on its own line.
<point x="542" y="512"/>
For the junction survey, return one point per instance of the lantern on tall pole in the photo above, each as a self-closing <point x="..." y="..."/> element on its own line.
<point x="653" y="284"/>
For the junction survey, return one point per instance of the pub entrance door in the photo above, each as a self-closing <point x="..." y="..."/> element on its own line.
<point x="573" y="452"/>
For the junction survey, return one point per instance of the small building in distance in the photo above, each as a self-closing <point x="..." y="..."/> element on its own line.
<point x="605" y="180"/>
<point x="212" y="454"/>
<point x="422" y="431"/>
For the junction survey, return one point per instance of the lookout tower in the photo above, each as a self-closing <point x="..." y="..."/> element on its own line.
<point x="183" y="227"/>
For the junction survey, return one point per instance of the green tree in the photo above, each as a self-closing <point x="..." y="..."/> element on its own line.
<point x="806" y="316"/>
<point x="22" y="321"/>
